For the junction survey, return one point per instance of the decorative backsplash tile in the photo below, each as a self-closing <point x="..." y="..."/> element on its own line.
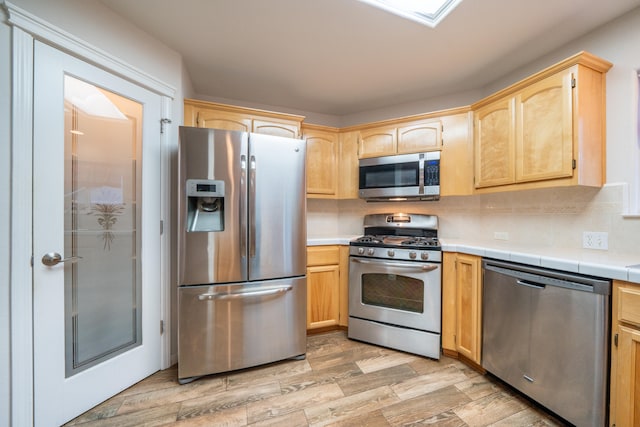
<point x="545" y="217"/>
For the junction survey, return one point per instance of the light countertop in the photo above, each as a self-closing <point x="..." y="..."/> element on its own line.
<point x="584" y="261"/>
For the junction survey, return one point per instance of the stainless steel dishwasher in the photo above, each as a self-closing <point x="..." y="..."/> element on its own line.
<point x="546" y="333"/>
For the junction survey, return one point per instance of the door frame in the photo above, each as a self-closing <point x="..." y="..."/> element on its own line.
<point x="26" y="28"/>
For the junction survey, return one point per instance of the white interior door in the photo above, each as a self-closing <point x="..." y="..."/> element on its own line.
<point x="96" y="235"/>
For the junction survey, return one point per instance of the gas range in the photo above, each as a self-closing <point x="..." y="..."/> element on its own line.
<point x="395" y="281"/>
<point x="408" y="237"/>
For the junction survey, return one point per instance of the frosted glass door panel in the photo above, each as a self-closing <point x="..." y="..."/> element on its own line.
<point x="103" y="137"/>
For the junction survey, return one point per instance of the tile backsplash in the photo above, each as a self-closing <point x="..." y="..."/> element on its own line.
<point x="544" y="218"/>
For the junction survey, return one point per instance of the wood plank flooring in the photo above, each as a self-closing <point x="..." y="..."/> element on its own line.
<point x="340" y="383"/>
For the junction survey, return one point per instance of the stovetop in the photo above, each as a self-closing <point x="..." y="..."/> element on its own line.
<point x="411" y="237"/>
<point x="397" y="241"/>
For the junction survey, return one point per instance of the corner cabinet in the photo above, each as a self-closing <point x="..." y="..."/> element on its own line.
<point x="625" y="355"/>
<point x="462" y="306"/>
<point x="547" y="130"/>
<point x="221" y="116"/>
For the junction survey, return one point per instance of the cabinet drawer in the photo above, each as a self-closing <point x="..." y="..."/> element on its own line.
<point x="323" y="255"/>
<point x="629" y="305"/>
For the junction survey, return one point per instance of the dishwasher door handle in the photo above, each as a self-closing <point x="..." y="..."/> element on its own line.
<point x="530" y="284"/>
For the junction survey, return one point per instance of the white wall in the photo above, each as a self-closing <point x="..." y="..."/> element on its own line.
<point x="5" y="182"/>
<point x="552" y="218"/>
<point x="92" y="23"/>
<point x="618" y="42"/>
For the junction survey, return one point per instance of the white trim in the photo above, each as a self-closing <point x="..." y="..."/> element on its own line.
<point x="21" y="230"/>
<point x="43" y="30"/>
<point x="165" y="238"/>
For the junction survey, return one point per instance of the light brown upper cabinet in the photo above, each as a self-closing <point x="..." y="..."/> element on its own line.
<point x="322" y="161"/>
<point x="348" y="165"/>
<point x="400" y="138"/>
<point x="221" y="116"/>
<point x="547" y="130"/>
<point x="456" y="157"/>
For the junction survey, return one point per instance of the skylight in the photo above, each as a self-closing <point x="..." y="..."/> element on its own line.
<point x="426" y="12"/>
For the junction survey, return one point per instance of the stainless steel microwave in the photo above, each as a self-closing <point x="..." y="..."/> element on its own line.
<point x="401" y="177"/>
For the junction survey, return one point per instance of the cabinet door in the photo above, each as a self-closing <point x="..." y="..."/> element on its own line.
<point x="456" y="157"/>
<point x="449" y="312"/>
<point x="348" y="166"/>
<point x="344" y="286"/>
<point x="626" y="411"/>
<point x="544" y="134"/>
<point x="216" y="119"/>
<point x="323" y="285"/>
<point x="495" y="144"/>
<point x="276" y="128"/>
<point x="322" y="164"/>
<point x="468" y="307"/>
<point x="378" y="142"/>
<point x="420" y="136"/>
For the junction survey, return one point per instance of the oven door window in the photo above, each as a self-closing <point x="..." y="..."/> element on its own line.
<point x="390" y="175"/>
<point x="393" y="291"/>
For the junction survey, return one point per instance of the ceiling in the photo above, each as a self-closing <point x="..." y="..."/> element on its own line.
<point x="343" y="57"/>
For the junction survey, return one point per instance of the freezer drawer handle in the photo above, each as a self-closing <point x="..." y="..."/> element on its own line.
<point x="223" y="296"/>
<point x="425" y="267"/>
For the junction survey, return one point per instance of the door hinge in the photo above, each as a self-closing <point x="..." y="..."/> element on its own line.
<point x="615" y="340"/>
<point x="162" y="123"/>
<point x="573" y="164"/>
<point x="161" y="227"/>
<point x="573" y="82"/>
<point x="161" y="327"/>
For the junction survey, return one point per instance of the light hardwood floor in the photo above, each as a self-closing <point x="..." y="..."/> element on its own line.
<point x="340" y="383"/>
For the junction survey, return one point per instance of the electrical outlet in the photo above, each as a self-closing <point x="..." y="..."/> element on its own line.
<point x="501" y="235"/>
<point x="595" y="240"/>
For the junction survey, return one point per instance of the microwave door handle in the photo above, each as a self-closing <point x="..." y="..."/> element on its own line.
<point x="421" y="174"/>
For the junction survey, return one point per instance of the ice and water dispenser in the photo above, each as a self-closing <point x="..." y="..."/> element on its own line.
<point x="205" y="205"/>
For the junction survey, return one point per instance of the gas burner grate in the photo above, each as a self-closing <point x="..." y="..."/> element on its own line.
<point x="420" y="241"/>
<point x="369" y="239"/>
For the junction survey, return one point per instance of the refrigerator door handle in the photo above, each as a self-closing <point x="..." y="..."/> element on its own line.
<point x="252" y="207"/>
<point x="243" y="206"/>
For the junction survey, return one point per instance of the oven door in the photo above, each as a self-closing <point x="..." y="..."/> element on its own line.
<point x="401" y="293"/>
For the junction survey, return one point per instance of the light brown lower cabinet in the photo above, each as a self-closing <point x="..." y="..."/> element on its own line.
<point x="327" y="286"/>
<point x="625" y="355"/>
<point x="462" y="306"/>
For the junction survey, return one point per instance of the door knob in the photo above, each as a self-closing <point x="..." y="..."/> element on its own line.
<point x="54" y="258"/>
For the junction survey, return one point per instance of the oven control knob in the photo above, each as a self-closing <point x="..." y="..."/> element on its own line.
<point x="391" y="252"/>
<point x="424" y="255"/>
<point x="412" y="255"/>
<point x="371" y="251"/>
<point x="361" y="251"/>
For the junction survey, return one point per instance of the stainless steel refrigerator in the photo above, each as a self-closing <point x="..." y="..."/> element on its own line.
<point x="241" y="250"/>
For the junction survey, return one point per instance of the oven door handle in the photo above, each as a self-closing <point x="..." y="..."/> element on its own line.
<point x="421" y="267"/>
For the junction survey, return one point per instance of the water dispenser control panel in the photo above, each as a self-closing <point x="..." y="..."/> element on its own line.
<point x="205" y="188"/>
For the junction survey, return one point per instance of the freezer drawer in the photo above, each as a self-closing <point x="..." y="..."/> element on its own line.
<point x="227" y="327"/>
